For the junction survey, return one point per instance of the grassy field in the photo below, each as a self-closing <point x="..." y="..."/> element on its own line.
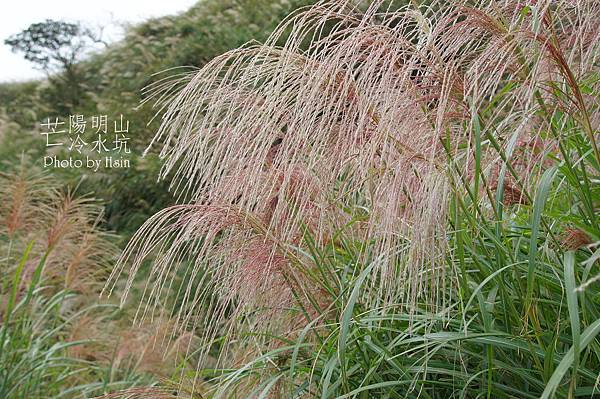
<point x="378" y="200"/>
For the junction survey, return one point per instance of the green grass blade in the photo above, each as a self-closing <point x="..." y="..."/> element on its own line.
<point x="573" y="307"/>
<point x="538" y="207"/>
<point x="565" y="364"/>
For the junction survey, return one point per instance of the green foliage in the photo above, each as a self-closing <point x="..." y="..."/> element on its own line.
<point x="22" y="103"/>
<point x="46" y="42"/>
<point x="34" y="354"/>
<point x="56" y="46"/>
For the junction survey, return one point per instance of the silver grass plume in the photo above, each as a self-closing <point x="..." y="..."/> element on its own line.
<point x="353" y="106"/>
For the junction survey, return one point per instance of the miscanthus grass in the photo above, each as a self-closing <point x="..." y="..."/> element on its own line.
<point x="56" y="339"/>
<point x="386" y="202"/>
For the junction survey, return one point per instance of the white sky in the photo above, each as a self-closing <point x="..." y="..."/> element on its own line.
<point x="16" y="15"/>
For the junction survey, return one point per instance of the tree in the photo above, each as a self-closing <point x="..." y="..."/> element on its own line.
<point x="56" y="47"/>
<point x="50" y="43"/>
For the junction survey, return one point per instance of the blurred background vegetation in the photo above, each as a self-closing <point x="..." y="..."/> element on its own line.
<point x="110" y="81"/>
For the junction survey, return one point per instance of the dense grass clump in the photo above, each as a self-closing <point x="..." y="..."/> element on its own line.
<point x="56" y="339"/>
<point x="395" y="203"/>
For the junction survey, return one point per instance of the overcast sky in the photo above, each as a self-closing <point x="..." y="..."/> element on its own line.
<point x="17" y="15"/>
